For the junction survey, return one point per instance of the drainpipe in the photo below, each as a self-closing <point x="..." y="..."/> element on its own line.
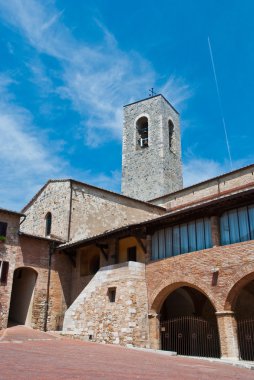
<point x="70" y="211"/>
<point x="51" y="251"/>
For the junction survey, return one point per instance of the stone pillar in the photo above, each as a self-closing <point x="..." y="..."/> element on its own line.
<point x="215" y="228"/>
<point x="228" y="335"/>
<point x="148" y="248"/>
<point x="154" y="331"/>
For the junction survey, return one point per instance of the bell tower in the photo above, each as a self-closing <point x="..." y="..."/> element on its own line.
<point x="151" y="159"/>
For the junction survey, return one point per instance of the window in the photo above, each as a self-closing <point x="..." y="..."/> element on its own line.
<point x="170" y="133"/>
<point x="182" y="238"/>
<point x="112" y="294"/>
<point x="132" y="254"/>
<point x="3" y="230"/>
<point x="4" y="268"/>
<point x="237" y="225"/>
<point x="48" y="220"/>
<point x="142" y="132"/>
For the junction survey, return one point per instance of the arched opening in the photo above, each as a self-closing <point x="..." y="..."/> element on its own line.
<point x="21" y="305"/>
<point x="170" y="133"/>
<point x="188" y="324"/>
<point x="48" y="224"/>
<point x="142" y="132"/>
<point x="244" y="312"/>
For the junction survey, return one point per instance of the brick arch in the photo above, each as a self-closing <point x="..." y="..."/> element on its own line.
<point x="169" y="287"/>
<point x="235" y="290"/>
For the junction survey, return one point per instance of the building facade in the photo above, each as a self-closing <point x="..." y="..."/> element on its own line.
<point x="175" y="273"/>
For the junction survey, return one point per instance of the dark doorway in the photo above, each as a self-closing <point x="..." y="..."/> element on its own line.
<point x="188" y="324"/>
<point x="24" y="280"/>
<point x="244" y="310"/>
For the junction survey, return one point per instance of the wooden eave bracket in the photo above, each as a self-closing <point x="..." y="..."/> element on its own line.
<point x="103" y="248"/>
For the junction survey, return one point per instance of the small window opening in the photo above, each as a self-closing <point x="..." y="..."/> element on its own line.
<point x="3" y="229"/>
<point x="48" y="219"/>
<point x="112" y="294"/>
<point x="4" y="268"/>
<point x="142" y="132"/>
<point x="170" y="133"/>
<point x="132" y="254"/>
<point x="90" y="337"/>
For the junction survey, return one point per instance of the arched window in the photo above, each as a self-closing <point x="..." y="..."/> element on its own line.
<point x="48" y="223"/>
<point x="170" y="133"/>
<point x="142" y="132"/>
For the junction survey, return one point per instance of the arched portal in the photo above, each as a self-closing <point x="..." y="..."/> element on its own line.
<point x="188" y="324"/>
<point x="244" y="312"/>
<point x="24" y="280"/>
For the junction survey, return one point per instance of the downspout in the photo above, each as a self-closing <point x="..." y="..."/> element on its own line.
<point x="22" y="221"/>
<point x="70" y="210"/>
<point x="51" y="251"/>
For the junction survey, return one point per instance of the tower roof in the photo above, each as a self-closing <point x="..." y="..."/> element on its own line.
<point x="150" y="97"/>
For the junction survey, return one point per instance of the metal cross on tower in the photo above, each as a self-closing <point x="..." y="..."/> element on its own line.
<point x="152" y="92"/>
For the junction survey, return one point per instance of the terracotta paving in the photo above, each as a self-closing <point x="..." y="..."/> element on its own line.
<point x="29" y="354"/>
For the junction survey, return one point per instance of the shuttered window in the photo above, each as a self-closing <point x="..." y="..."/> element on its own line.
<point x="182" y="238"/>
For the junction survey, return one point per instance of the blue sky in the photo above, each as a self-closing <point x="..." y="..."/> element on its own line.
<point x="68" y="67"/>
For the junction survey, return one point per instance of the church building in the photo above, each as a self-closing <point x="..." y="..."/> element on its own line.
<point x="158" y="266"/>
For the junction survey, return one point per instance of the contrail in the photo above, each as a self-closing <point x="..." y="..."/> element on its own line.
<point x="220" y="103"/>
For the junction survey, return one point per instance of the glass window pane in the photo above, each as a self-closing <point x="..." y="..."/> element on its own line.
<point x="155" y="246"/>
<point x="192" y="236"/>
<point x="169" y="238"/>
<point x="161" y="244"/>
<point x="176" y="240"/>
<point x="224" y="229"/>
<point x="244" y="229"/>
<point x="200" y="234"/>
<point x="184" y="238"/>
<point x="233" y="226"/>
<point x="251" y="220"/>
<point x="208" y="233"/>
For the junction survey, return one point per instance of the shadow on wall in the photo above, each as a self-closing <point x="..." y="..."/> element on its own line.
<point x="24" y="280"/>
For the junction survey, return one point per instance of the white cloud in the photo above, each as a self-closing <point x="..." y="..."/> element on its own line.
<point x="97" y="79"/>
<point x="196" y="170"/>
<point x="25" y="160"/>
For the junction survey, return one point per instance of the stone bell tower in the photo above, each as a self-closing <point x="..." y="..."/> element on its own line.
<point x="151" y="160"/>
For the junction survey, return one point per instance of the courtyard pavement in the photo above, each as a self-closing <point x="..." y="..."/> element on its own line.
<point x="30" y="354"/>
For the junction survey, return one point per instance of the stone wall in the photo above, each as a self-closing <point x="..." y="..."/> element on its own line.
<point x="80" y="211"/>
<point x="94" y="211"/>
<point x="54" y="197"/>
<point x="93" y="317"/>
<point x="8" y="252"/>
<point x="221" y="186"/>
<point x="155" y="170"/>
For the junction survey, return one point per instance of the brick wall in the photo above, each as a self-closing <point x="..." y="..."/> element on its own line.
<point x="233" y="182"/>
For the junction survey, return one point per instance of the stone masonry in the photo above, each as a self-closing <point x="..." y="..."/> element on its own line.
<point x="80" y="210"/>
<point x="93" y="317"/>
<point x="155" y="170"/>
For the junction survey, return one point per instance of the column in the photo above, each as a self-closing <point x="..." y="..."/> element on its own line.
<point x="148" y="254"/>
<point x="154" y="330"/>
<point x="228" y="335"/>
<point x="215" y="228"/>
